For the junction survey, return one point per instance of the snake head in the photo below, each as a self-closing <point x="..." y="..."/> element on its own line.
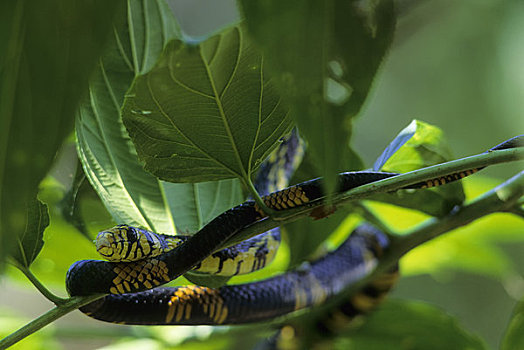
<point x="110" y="243"/>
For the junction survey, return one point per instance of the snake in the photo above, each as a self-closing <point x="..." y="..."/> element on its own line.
<point x="132" y="301"/>
<point x="125" y="243"/>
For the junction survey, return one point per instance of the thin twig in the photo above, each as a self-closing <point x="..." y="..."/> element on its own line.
<point x="38" y="285"/>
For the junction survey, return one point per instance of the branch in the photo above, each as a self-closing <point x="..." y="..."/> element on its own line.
<point x="387" y="185"/>
<point x="501" y="198"/>
<point x="498" y="199"/>
<point x="52" y="315"/>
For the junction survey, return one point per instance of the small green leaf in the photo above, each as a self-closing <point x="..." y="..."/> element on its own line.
<point x="426" y="146"/>
<point x="207" y="111"/>
<point x="401" y="325"/>
<point x="131" y="194"/>
<point x="404" y="136"/>
<point x="324" y="56"/>
<point x="30" y="242"/>
<point x="419" y="145"/>
<point x="514" y="338"/>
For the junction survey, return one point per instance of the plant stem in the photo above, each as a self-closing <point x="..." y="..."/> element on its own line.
<point x="501" y="198"/>
<point x="41" y="288"/>
<point x="66" y="307"/>
<point x="498" y="199"/>
<point x="387" y="185"/>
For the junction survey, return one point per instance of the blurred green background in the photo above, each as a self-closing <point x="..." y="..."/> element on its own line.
<point x="455" y="64"/>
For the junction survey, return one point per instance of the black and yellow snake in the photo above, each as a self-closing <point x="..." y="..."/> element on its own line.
<point x="129" y="284"/>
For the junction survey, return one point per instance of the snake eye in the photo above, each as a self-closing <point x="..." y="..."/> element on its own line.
<point x="131" y="233"/>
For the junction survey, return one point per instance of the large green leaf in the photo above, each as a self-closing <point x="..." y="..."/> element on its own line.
<point x="131" y="194"/>
<point x="49" y="49"/>
<point x="207" y="111"/>
<point x="30" y="242"/>
<point x="324" y="55"/>
<point x="410" y="325"/>
<point x="416" y="146"/>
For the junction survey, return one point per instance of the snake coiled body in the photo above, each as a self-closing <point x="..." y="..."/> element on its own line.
<point x="242" y="303"/>
<point x="294" y="290"/>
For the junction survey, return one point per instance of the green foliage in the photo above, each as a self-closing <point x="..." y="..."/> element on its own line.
<point x="48" y="51"/>
<point x="417" y="146"/>
<point x="213" y="110"/>
<point x="324" y="55"/>
<point x="130" y="194"/>
<point x="194" y="205"/>
<point x="410" y="325"/>
<point x="207" y="111"/>
<point x="30" y="242"/>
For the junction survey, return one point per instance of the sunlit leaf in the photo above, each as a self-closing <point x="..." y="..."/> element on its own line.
<point x="324" y="55"/>
<point x="207" y="111"/>
<point x="410" y="325"/>
<point x="419" y="145"/>
<point x="404" y="136"/>
<point x="49" y="49"/>
<point x="30" y="242"/>
<point x="131" y="194"/>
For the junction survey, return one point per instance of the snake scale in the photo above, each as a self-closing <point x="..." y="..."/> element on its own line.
<point x="131" y="300"/>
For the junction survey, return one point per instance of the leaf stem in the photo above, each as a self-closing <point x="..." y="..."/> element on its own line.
<point x="38" y="285"/>
<point x="248" y="184"/>
<point x="66" y="307"/>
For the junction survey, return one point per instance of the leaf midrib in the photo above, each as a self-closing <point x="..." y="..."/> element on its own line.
<point x="244" y="174"/>
<point x="95" y="109"/>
